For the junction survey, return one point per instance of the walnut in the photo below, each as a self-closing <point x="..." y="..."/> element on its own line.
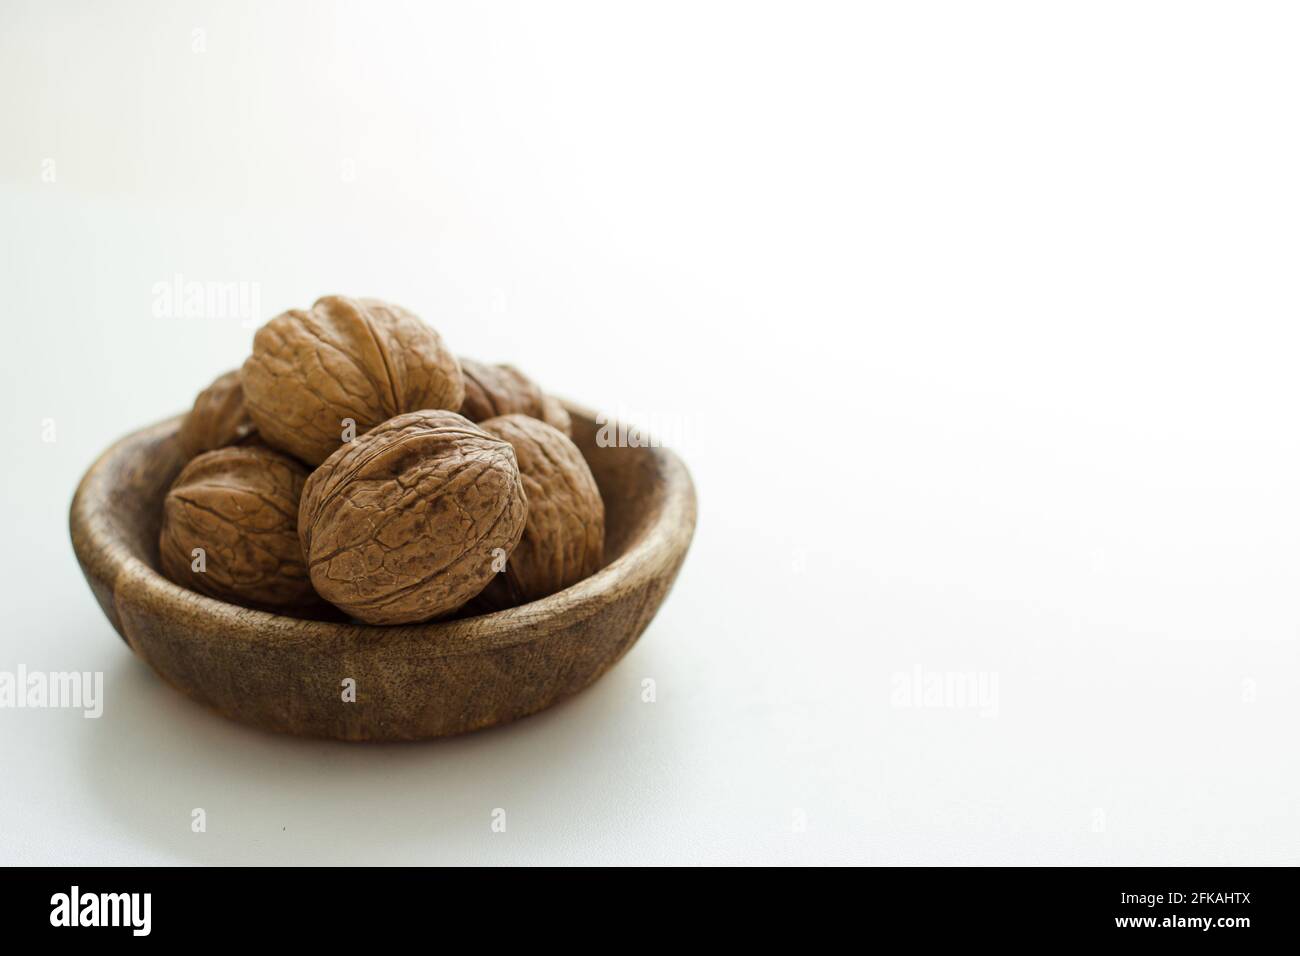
<point x="240" y="506"/>
<point x="218" y="418"/>
<point x="494" y="390"/>
<point x="564" y="537"/>
<point x="555" y="415"/>
<point x="358" y="359"/>
<point x="405" y="523"/>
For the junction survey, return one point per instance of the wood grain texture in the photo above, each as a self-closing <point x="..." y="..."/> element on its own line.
<point x="413" y="682"/>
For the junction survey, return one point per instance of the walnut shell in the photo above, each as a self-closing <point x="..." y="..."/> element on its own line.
<point x="240" y="505"/>
<point x="564" y="537"/>
<point x="218" y="417"/>
<point x="358" y="359"/>
<point x="495" y="390"/>
<point x="404" y="524"/>
<point x="555" y="415"/>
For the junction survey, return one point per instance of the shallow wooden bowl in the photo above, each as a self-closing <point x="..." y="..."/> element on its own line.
<point x="416" y="681"/>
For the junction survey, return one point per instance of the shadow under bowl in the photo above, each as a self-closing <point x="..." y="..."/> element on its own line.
<point x="413" y="682"/>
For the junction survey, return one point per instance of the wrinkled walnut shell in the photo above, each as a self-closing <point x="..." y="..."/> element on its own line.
<point x="218" y="418"/>
<point x="495" y="390"/>
<point x="405" y="523"/>
<point x="344" y="359"/>
<point x="240" y="506"/>
<point x="564" y="537"/>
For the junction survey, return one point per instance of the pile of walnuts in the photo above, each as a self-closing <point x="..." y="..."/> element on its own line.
<point x="354" y="459"/>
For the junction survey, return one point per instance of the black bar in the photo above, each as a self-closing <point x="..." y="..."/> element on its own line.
<point x="1226" y="905"/>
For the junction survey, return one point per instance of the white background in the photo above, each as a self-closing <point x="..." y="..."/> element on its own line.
<point x="976" y="324"/>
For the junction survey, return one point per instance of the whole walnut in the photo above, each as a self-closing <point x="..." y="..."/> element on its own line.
<point x="240" y="506"/>
<point x="406" y="523"/>
<point x="494" y="390"/>
<point x="218" y="418"/>
<point x="344" y="359"/>
<point x="564" y="538"/>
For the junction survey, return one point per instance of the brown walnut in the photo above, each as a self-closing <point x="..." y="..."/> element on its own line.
<point x="564" y="537"/>
<point x="405" y="523"/>
<point x="218" y="418"/>
<point x="555" y="415"/>
<point x="344" y="359"/>
<point x="495" y="390"/>
<point x="240" y="506"/>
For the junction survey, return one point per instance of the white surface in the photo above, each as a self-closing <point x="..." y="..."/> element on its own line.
<point x="977" y="322"/>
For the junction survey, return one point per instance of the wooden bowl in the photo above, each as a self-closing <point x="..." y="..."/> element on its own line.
<point x="414" y="681"/>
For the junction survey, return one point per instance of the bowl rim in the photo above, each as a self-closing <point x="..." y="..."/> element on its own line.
<point x="655" y="551"/>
